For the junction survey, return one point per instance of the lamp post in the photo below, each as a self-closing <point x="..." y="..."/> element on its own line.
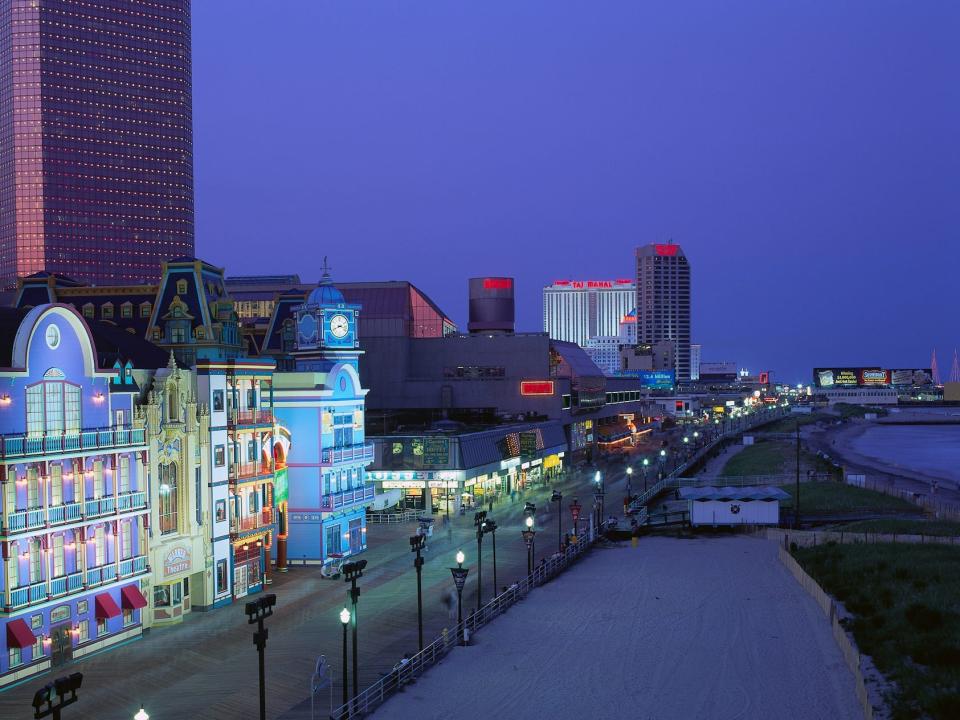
<point x="257" y="611"/>
<point x="64" y="689"/>
<point x="353" y="571"/>
<point x="490" y="526"/>
<point x="557" y="497"/>
<point x="459" y="578"/>
<point x="416" y="545"/>
<point x="629" y="482"/>
<point x="575" y="514"/>
<point x="663" y="463"/>
<point x="598" y="479"/>
<point x="646" y="463"/>
<point x="696" y="438"/>
<point x="345" y="621"/>
<point x="528" y="536"/>
<point x="141" y="714"/>
<point x="479" y="519"/>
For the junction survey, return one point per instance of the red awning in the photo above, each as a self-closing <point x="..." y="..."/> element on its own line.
<point x="132" y="598"/>
<point x="19" y="634"/>
<point x="106" y="607"/>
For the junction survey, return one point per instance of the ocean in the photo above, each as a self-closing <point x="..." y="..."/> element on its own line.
<point x="930" y="449"/>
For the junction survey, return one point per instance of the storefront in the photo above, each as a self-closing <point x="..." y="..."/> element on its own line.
<point x="178" y="583"/>
<point x="248" y="563"/>
<point x="345" y="534"/>
<point x="420" y="490"/>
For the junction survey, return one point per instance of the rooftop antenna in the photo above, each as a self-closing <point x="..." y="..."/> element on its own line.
<point x="326" y="271"/>
<point x="934" y="370"/>
<point x="955" y="368"/>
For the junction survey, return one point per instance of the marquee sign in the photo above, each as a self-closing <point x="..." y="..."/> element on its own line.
<point x="176" y="561"/>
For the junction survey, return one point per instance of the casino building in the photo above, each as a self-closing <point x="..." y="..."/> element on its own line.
<point x="577" y="310"/>
<point x="73" y="473"/>
<point x="319" y="400"/>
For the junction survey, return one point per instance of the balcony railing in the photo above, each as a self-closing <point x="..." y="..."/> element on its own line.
<point x="28" y="594"/>
<point x="258" y="520"/>
<point x="18" y="446"/>
<point x="100" y="575"/>
<point x="26" y="520"/>
<point x="98" y="508"/>
<point x="250" y="417"/>
<point x="351" y="453"/>
<point x="249" y="471"/>
<point x="69" y="512"/>
<point x="133" y="566"/>
<point x="131" y="501"/>
<point x="66" y="584"/>
<point x="335" y="501"/>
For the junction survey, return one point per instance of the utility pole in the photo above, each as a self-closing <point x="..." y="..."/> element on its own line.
<point x="796" y="509"/>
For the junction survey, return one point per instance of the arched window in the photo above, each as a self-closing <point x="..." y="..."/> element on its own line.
<point x="53" y="406"/>
<point x="169" y="490"/>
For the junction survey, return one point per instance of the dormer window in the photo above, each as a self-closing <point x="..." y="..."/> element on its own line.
<point x="106" y="310"/>
<point x="200" y="333"/>
<point x="181" y="287"/>
<point x="126" y="310"/>
<point x="88" y="310"/>
<point x="145" y="310"/>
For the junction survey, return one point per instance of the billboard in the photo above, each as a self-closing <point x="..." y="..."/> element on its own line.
<point x="726" y="371"/>
<point x="652" y="379"/>
<point x="850" y="377"/>
<point x="415" y="453"/>
<point x="281" y="487"/>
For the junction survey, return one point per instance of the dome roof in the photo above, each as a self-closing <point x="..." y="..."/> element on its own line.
<point x="325" y="294"/>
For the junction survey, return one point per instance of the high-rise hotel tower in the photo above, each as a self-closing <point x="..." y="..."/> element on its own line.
<point x="663" y="301"/>
<point x="96" y="138"/>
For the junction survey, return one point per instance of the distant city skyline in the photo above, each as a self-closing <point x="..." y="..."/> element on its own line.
<point x="803" y="155"/>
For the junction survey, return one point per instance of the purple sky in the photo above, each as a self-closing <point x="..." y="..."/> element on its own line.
<point x="804" y="154"/>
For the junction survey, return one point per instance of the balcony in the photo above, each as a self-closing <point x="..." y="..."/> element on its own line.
<point x="264" y="518"/>
<point x="19" y="597"/>
<point x="249" y="471"/>
<point x="24" y="520"/>
<point x="250" y="417"/>
<point x="336" y="501"/>
<point x="22" y="446"/>
<point x="66" y="584"/>
<point x="101" y="575"/>
<point x="133" y="566"/>
<point x="131" y="501"/>
<point x="68" y="512"/>
<point x="99" y="508"/>
<point x="350" y="453"/>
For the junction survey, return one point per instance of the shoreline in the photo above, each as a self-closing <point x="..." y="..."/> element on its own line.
<point x="837" y="442"/>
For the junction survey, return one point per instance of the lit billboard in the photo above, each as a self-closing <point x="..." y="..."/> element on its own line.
<point x="652" y="379"/>
<point x="870" y="377"/>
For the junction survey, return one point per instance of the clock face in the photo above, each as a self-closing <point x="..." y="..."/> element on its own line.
<point x="339" y="326"/>
<point x="308" y="328"/>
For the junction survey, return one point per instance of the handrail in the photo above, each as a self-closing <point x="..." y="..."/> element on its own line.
<point x="22" y="444"/>
<point x="374" y="695"/>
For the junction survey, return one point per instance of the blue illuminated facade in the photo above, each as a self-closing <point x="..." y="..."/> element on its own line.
<point x="320" y="405"/>
<point x="74" y="494"/>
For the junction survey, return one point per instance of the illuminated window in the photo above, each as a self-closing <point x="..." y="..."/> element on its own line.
<point x="181" y="287"/>
<point x="106" y="310"/>
<point x="126" y="310"/>
<point x="169" y="491"/>
<point x="145" y="310"/>
<point x="88" y="310"/>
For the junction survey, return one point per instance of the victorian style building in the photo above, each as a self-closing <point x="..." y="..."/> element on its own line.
<point x="74" y="517"/>
<point x="320" y="403"/>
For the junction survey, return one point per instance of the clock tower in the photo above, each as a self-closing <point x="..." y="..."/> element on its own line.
<point x="326" y="328"/>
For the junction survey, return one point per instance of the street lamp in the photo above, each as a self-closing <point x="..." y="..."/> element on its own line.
<point x="646" y="463"/>
<point x="459" y="578"/>
<point x="663" y="462"/>
<point x="528" y="536"/>
<point x="490" y="526"/>
<point x="353" y="571"/>
<point x="479" y="518"/>
<point x="345" y="621"/>
<point x="257" y="611"/>
<point x="59" y="689"/>
<point x="598" y="479"/>
<point x="557" y="497"/>
<point x="629" y="481"/>
<point x="141" y="714"/>
<point x="575" y="514"/>
<point x="416" y="545"/>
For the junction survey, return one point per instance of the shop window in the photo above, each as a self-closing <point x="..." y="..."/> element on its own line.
<point x="333" y="540"/>
<point x="127" y="617"/>
<point x="161" y="596"/>
<point x="101" y="627"/>
<point x="84" y="630"/>
<point x="15" y="657"/>
<point x="38" y="647"/>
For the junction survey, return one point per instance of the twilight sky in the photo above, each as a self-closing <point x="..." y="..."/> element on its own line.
<point x="805" y="155"/>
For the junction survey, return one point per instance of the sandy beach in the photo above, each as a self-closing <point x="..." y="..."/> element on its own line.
<point x="704" y="628"/>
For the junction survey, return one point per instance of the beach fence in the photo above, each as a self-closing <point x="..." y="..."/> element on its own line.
<point x="407" y="671"/>
<point x="848" y="648"/>
<point x="939" y="509"/>
<point x="812" y="538"/>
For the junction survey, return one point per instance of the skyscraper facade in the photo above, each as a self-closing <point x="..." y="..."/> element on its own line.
<point x="577" y="310"/>
<point x="663" y="301"/>
<point x="96" y="138"/>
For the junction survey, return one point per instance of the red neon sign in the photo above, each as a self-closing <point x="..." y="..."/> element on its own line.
<point x="497" y="283"/>
<point x="536" y="387"/>
<point x="666" y="250"/>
